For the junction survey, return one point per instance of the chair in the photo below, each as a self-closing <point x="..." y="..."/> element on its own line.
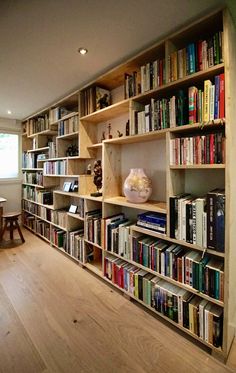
<point x="11" y="223"/>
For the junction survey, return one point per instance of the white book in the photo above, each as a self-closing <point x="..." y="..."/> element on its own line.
<point x="212" y="102"/>
<point x="204" y="229"/>
<point x="202" y="306"/>
<point x="200" y="204"/>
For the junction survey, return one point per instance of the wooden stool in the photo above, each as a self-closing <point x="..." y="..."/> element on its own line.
<point x="11" y="222"/>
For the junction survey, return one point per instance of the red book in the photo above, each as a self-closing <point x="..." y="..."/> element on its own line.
<point x="222" y="95"/>
<point x="212" y="148"/>
<point x="199" y="51"/>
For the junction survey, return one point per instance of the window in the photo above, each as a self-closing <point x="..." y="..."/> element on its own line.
<point x="9" y="155"/>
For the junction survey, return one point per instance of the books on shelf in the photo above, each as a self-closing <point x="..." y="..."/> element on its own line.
<point x="198" y="149"/>
<point x="55" y="167"/>
<point x="152" y="220"/>
<point x="199" y="316"/>
<point x="199" y="220"/>
<point x="197" y="56"/>
<point x="94" y="98"/>
<point x="68" y="126"/>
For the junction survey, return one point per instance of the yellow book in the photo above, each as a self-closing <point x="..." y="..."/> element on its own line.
<point x="207" y="99"/>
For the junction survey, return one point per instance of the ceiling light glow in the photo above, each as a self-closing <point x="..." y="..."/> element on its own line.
<point x="9" y="112"/>
<point x="83" y="51"/>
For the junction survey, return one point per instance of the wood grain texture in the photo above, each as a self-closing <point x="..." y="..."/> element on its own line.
<point x="67" y="320"/>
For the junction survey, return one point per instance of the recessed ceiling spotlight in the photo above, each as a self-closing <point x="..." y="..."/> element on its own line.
<point x="9" y="112"/>
<point x="83" y="51"/>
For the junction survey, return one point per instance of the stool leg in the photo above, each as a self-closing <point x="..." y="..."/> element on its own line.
<point x="11" y="229"/>
<point x="3" y="231"/>
<point x="19" y="230"/>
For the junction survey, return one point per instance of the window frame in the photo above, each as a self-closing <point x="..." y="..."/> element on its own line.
<point x="17" y="179"/>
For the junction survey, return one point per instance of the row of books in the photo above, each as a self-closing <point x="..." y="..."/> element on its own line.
<point x="94" y="98"/>
<point x="93" y="226"/>
<point x="185" y="107"/>
<point x="204" y="274"/>
<point x="38" y="124"/>
<point x="29" y="160"/>
<point x="57" y="113"/>
<point x="40" y="211"/>
<point x="33" y="177"/>
<point x="58" y="237"/>
<point x="55" y="167"/>
<point x="29" y="221"/>
<point x="75" y="244"/>
<point x="205" y="149"/>
<point x="68" y="126"/>
<point x="42" y="228"/>
<point x="59" y="217"/>
<point x="195" y="57"/>
<point x="52" y="151"/>
<point x="152" y="220"/>
<point x="209" y="103"/>
<point x="40" y="196"/>
<point x="201" y="317"/>
<point x="149" y="76"/>
<point x="199" y="221"/>
<point x="116" y="234"/>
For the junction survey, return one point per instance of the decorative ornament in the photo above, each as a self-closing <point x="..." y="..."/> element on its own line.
<point x="137" y="186"/>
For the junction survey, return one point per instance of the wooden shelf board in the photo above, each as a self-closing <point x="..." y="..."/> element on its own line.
<point x="187" y="331"/>
<point x="107" y="113"/>
<point x="51" y="207"/>
<point x="199" y="126"/>
<point x="148" y="206"/>
<point x="87" y="196"/>
<point x="52" y="175"/>
<point x="62" y="158"/>
<point x="92" y="243"/>
<point x="149" y="136"/>
<point x="69" y="194"/>
<point x="69" y="135"/>
<point x="198" y="166"/>
<point x="38" y="149"/>
<point x="32" y="169"/>
<point x="95" y="146"/>
<point x="170" y="280"/>
<point x="67" y="254"/>
<point x="45" y="132"/>
<point x="34" y="185"/>
<point x="65" y="117"/>
<point x="40" y="235"/>
<point x="95" y="267"/>
<point x="75" y="216"/>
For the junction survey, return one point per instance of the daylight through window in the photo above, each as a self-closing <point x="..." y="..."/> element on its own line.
<point x="9" y="159"/>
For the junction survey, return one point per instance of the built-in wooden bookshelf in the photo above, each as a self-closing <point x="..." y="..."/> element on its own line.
<point x="122" y="137"/>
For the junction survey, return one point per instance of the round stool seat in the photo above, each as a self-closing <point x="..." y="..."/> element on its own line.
<point x="11" y="223"/>
<point x="10" y="215"/>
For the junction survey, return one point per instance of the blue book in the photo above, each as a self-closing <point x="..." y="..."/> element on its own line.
<point x="217" y="97"/>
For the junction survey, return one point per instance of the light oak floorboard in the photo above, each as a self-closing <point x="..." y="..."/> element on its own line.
<point x="67" y="320"/>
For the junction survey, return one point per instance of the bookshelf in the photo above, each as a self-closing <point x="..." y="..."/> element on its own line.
<point x="147" y="125"/>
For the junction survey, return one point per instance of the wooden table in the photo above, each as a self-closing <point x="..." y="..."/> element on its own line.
<point x="1" y="212"/>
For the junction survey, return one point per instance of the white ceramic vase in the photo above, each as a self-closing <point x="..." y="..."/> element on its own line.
<point x="137" y="186"/>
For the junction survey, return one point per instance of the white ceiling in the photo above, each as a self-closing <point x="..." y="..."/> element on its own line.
<point x="39" y="39"/>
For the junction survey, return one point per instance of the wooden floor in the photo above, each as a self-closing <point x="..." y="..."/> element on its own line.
<point x="57" y="317"/>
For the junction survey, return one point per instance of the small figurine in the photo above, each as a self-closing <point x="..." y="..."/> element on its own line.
<point x="109" y="131"/>
<point x="127" y="128"/>
<point x="119" y="133"/>
<point x="97" y="179"/>
<point x="103" y="136"/>
<point x="103" y="101"/>
<point x="89" y="169"/>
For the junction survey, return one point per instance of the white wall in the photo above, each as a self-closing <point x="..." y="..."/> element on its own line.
<point x="11" y="190"/>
